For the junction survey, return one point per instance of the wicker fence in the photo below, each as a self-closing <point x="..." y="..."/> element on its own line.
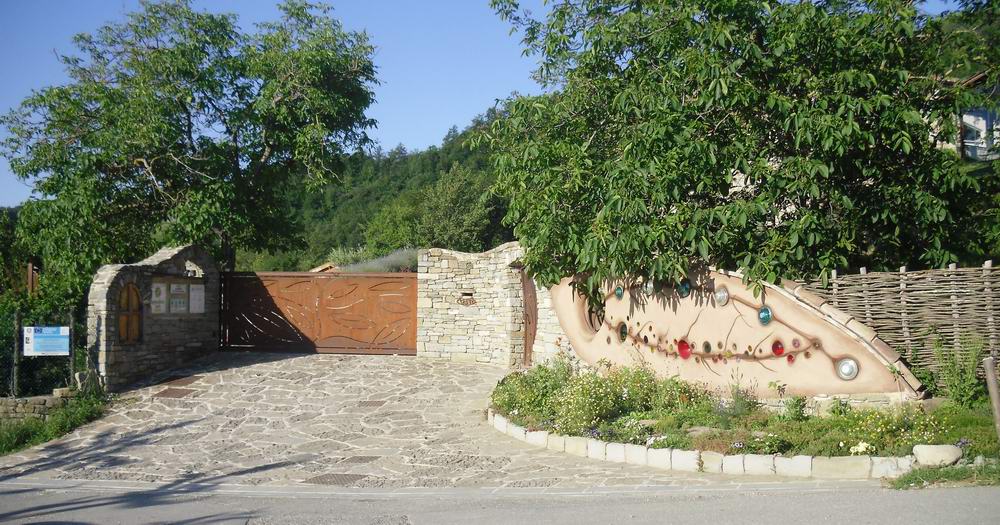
<point x="910" y="310"/>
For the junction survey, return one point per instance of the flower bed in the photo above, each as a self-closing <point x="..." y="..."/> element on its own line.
<point x="632" y="406"/>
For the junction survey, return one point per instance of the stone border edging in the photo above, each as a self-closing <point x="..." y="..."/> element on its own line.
<point x="820" y="467"/>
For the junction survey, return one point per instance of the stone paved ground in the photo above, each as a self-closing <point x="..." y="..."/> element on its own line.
<point x="345" y="421"/>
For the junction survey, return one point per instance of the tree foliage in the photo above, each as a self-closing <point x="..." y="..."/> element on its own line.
<point x="786" y="139"/>
<point x="176" y="125"/>
<point x="457" y="212"/>
<point x="338" y="215"/>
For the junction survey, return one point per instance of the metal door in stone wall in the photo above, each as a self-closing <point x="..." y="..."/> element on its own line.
<point x="320" y="312"/>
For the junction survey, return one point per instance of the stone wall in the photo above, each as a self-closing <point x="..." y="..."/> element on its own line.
<point x="12" y="408"/>
<point x="470" y="306"/>
<point x="550" y="340"/>
<point x="170" y="335"/>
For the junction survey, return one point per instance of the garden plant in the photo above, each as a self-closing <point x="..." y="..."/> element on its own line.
<point x="632" y="405"/>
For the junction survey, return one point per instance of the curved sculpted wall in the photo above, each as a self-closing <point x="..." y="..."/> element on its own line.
<point x="711" y="329"/>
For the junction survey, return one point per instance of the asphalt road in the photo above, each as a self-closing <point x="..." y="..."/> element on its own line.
<point x="773" y="504"/>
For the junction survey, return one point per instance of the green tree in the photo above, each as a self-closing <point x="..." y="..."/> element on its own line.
<point x="786" y="139"/>
<point x="11" y="262"/>
<point x="177" y="125"/>
<point x="394" y="226"/>
<point x="458" y="212"/>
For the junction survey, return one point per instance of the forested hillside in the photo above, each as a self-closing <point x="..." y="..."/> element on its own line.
<point x="403" y="192"/>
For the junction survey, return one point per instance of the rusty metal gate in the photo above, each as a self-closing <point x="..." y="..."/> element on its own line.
<point x="320" y="312"/>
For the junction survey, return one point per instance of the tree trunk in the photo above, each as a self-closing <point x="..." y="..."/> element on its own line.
<point x="228" y="261"/>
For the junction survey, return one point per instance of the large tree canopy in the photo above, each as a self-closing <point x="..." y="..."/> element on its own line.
<point x="178" y="125"/>
<point x="786" y="139"/>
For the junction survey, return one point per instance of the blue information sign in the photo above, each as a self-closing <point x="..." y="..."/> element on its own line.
<point x="46" y="341"/>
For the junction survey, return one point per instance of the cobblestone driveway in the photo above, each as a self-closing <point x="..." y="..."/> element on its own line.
<point x="349" y="421"/>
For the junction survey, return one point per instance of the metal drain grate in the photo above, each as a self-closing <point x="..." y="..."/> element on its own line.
<point x="174" y="393"/>
<point x="182" y="381"/>
<point x="337" y="479"/>
<point x="360" y="459"/>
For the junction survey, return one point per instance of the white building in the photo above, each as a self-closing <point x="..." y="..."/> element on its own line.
<point x="980" y="134"/>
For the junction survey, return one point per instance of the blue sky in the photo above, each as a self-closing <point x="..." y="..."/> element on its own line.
<point x="441" y="62"/>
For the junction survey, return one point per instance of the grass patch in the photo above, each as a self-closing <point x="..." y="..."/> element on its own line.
<point x="958" y="475"/>
<point x="19" y="434"/>
<point x="626" y="405"/>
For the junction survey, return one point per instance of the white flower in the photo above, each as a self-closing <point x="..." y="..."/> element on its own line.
<point x="860" y="448"/>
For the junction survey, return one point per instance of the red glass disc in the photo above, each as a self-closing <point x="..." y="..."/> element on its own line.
<point x="684" y="349"/>
<point x="790" y="358"/>
<point x="777" y="348"/>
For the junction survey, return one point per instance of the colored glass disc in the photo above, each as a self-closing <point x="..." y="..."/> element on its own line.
<point x="765" y="315"/>
<point x="721" y="296"/>
<point x="622" y="332"/>
<point x="684" y="288"/>
<point x="619" y="292"/>
<point x="684" y="349"/>
<point x="777" y="348"/>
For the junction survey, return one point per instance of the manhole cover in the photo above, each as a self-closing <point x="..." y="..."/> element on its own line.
<point x="360" y="459"/>
<point x="182" y="381"/>
<point x="174" y="393"/>
<point x="340" y="480"/>
<point x="371" y="404"/>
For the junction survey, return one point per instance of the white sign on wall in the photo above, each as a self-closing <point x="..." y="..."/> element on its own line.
<point x="158" y="304"/>
<point x="196" y="299"/>
<point x="178" y="304"/>
<point x="46" y="340"/>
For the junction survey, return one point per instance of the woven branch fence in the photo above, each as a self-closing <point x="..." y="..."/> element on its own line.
<point x="910" y="310"/>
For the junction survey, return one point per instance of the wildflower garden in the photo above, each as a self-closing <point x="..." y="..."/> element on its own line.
<point x="632" y="405"/>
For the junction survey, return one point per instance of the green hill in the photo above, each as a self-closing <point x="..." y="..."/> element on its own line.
<point x="337" y="215"/>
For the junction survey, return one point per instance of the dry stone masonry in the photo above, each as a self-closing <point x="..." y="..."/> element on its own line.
<point x="35" y="406"/>
<point x="470" y="307"/>
<point x="178" y="317"/>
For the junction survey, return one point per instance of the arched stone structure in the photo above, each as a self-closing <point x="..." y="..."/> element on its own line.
<point x="787" y="337"/>
<point x="178" y="317"/>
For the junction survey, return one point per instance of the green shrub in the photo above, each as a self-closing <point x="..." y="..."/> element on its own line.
<point x="526" y="397"/>
<point x="611" y="406"/>
<point x="957" y="371"/>
<point x="18" y="434"/>
<point x="972" y="427"/>
<point x="840" y="407"/>
<point x="685" y="404"/>
<point x="341" y="256"/>
<point x="814" y="436"/>
<point x="673" y="439"/>
<point x="635" y="389"/>
<point x="587" y="400"/>
<point x="626" y="429"/>
<point x="893" y="432"/>
<point x="672" y="394"/>
<point x="741" y="404"/>
<point x="988" y="474"/>
<point x="795" y="408"/>
<point x="403" y="260"/>
<point x="769" y="443"/>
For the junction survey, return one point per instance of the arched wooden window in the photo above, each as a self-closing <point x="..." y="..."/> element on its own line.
<point x="129" y="315"/>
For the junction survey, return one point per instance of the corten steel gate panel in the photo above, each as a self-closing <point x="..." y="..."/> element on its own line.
<point x="320" y="312"/>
